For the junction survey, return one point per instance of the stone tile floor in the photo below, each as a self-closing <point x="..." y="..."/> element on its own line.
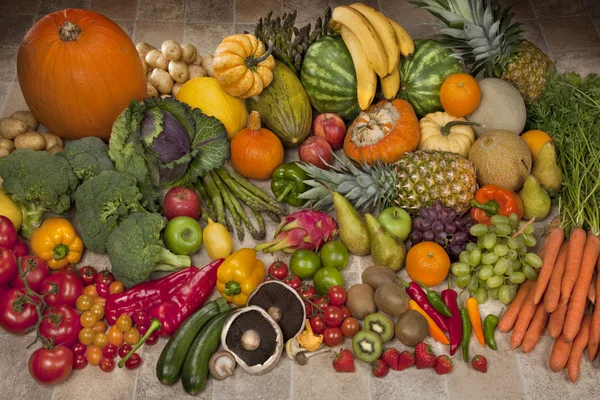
<point x="567" y="29"/>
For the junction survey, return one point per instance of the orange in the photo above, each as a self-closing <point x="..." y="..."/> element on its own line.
<point x="460" y="95"/>
<point x="535" y="140"/>
<point x="428" y="263"/>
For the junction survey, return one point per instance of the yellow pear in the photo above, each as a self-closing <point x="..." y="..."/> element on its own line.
<point x="546" y="170"/>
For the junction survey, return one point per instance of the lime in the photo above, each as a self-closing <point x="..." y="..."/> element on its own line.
<point x="334" y="254"/>
<point x="327" y="277"/>
<point x="304" y="263"/>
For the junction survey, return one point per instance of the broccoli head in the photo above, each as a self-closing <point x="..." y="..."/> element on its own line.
<point x="39" y="182"/>
<point x="102" y="202"/>
<point x="135" y="249"/>
<point x="88" y="157"/>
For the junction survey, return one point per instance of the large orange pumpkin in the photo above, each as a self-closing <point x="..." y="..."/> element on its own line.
<point x="383" y="132"/>
<point x="78" y="70"/>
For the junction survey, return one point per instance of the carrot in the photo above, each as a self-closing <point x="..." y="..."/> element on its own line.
<point x="579" y="345"/>
<point x="434" y="330"/>
<point x="552" y="294"/>
<point x="557" y="320"/>
<point x="536" y="329"/>
<point x="594" y="341"/>
<point x="578" y="300"/>
<point x="550" y="250"/>
<point x="525" y="316"/>
<point x="592" y="290"/>
<point x="560" y="354"/>
<point x="510" y="316"/>
<point x="574" y="256"/>
<point x="473" y="310"/>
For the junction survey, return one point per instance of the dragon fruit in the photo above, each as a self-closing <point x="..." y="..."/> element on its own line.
<point x="305" y="229"/>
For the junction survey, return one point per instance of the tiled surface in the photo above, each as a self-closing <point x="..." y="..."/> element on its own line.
<point x="567" y="29"/>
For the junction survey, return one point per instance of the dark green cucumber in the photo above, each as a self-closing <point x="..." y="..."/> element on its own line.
<point x="173" y="355"/>
<point x="195" y="368"/>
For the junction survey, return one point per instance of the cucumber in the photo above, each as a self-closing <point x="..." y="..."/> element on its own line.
<point x="195" y="367"/>
<point x="173" y="355"/>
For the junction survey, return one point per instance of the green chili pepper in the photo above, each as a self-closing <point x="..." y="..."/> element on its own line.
<point x="466" y="332"/>
<point x="489" y="327"/>
<point x="436" y="301"/>
<point x="287" y="184"/>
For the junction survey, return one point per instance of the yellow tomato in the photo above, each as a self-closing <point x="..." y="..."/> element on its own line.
<point x="10" y="209"/>
<point x="124" y="322"/>
<point x="88" y="319"/>
<point x="101" y="340"/>
<point x="98" y="310"/>
<point x="84" y="303"/>
<point x="132" y="336"/>
<point x="93" y="354"/>
<point x="115" y="336"/>
<point x="86" y="336"/>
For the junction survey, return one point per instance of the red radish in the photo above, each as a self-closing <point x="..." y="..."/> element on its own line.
<point x="181" y="201"/>
<point x="331" y="127"/>
<point x="316" y="151"/>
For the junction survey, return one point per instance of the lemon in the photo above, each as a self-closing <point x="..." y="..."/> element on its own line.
<point x="217" y="241"/>
<point x="10" y="209"/>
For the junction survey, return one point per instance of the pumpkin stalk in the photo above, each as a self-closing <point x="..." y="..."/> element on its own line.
<point x="252" y="62"/>
<point x="254" y="121"/>
<point x="69" y="31"/>
<point x="446" y="129"/>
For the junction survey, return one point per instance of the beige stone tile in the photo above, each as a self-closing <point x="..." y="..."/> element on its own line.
<point x="154" y="33"/>
<point x="121" y="9"/>
<point x="521" y="8"/>
<point x="552" y="8"/>
<point x="421" y="31"/>
<point x="241" y="28"/>
<point x="249" y="11"/>
<point x="307" y="10"/>
<point x="581" y="61"/>
<point x="4" y="92"/>
<point x="12" y="7"/>
<point x="49" y="6"/>
<point x="207" y="37"/>
<point x="8" y="63"/>
<point x="533" y="33"/>
<point x="14" y="101"/>
<point x="209" y="11"/>
<point x="404" y="12"/>
<point x="159" y="10"/>
<point x="335" y="3"/>
<point x="569" y="33"/>
<point x="127" y="26"/>
<point x="13" y="28"/>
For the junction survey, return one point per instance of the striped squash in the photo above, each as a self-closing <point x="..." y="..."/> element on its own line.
<point x="422" y="76"/>
<point x="329" y="78"/>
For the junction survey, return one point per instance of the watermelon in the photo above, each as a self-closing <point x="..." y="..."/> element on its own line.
<point x="422" y="76"/>
<point x="329" y="79"/>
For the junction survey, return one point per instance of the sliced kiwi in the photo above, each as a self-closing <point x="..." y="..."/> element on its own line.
<point x="367" y="346"/>
<point x="381" y="324"/>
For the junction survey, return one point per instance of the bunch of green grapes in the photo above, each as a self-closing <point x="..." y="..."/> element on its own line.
<point x="498" y="262"/>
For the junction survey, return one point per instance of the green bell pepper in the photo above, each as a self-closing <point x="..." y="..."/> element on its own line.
<point x="287" y="184"/>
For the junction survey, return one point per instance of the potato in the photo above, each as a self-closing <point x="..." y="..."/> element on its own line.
<point x="28" y="118"/>
<point x="152" y="92"/>
<point x="10" y="128"/>
<point x="195" y="71"/>
<point x="197" y="60"/>
<point x="207" y="64"/>
<point x="188" y="53"/>
<point x="171" y="50"/>
<point x="52" y="140"/>
<point x="161" y="80"/>
<point x="55" y="149"/>
<point x="30" y="140"/>
<point x="7" y="144"/>
<point x="155" y="59"/>
<point x="166" y="96"/>
<point x="3" y="152"/>
<point x="149" y="74"/>
<point x="144" y="48"/>
<point x="144" y="63"/>
<point x="176" y="88"/>
<point x="179" y="71"/>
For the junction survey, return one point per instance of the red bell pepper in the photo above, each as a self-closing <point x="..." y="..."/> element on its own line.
<point x="418" y="295"/>
<point x="454" y="322"/>
<point x="493" y="200"/>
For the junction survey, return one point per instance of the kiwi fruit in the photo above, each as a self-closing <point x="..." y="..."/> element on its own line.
<point x="391" y="299"/>
<point x="377" y="275"/>
<point x="361" y="300"/>
<point x="381" y="324"/>
<point x="411" y="328"/>
<point x="367" y="346"/>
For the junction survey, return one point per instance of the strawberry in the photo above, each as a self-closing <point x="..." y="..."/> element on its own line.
<point x="443" y="365"/>
<point x="380" y="368"/>
<point x="479" y="363"/>
<point x="343" y="361"/>
<point x="423" y="356"/>
<point x="391" y="358"/>
<point x="405" y="360"/>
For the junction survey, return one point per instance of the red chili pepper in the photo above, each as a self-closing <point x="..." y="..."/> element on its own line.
<point x="454" y="322"/>
<point x="418" y="295"/>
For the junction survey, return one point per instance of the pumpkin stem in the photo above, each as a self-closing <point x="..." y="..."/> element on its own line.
<point x="69" y="31"/>
<point x="254" y="121"/>
<point x="251" y="62"/>
<point x="445" y="130"/>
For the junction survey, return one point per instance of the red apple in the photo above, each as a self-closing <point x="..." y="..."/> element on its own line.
<point x="316" y="151"/>
<point x="331" y="127"/>
<point x="181" y="202"/>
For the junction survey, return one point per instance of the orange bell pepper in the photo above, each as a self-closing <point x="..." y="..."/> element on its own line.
<point x="57" y="243"/>
<point x="493" y="200"/>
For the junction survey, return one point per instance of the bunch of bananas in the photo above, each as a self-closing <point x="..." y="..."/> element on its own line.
<point x="375" y="44"/>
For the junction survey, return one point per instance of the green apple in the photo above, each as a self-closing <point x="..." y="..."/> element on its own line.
<point x="396" y="221"/>
<point x="183" y="235"/>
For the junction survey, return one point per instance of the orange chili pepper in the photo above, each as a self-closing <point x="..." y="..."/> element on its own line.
<point x="473" y="309"/>
<point x="434" y="330"/>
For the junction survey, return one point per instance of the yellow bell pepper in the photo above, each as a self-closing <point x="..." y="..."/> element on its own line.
<point x="11" y="210"/>
<point x="57" y="243"/>
<point x="239" y="275"/>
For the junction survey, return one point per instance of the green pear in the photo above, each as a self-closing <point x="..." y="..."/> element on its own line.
<point x="546" y="170"/>
<point x="351" y="226"/>
<point x="386" y="249"/>
<point x="536" y="201"/>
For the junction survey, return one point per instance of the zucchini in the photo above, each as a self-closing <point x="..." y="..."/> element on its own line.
<point x="173" y="355"/>
<point x="195" y="367"/>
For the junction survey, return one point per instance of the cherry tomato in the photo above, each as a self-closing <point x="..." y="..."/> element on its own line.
<point x="101" y="301"/>
<point x="115" y="336"/>
<point x="350" y="326"/>
<point x="8" y="233"/>
<point x="36" y="272"/>
<point x="309" y="310"/>
<point x="141" y="318"/>
<point x="333" y="337"/>
<point x="116" y="287"/>
<point x="105" y="277"/>
<point x="321" y="303"/>
<point x="107" y="364"/>
<point x="78" y="348"/>
<point x="98" y="310"/>
<point x="293" y="281"/>
<point x="79" y="361"/>
<point x="61" y="324"/>
<point x="109" y="351"/>
<point x="8" y="266"/>
<point x="317" y="323"/>
<point x="88" y="319"/>
<point x="124" y="322"/>
<point x="152" y="339"/>
<point x="84" y="302"/>
<point x="70" y="268"/>
<point x="68" y="285"/>
<point x="87" y="274"/>
<point x="99" y="326"/>
<point x="101" y="340"/>
<point x="124" y="350"/>
<point x="50" y="366"/>
<point x="143" y="329"/>
<point x="278" y="270"/>
<point x="345" y="312"/>
<point x="16" y="319"/>
<point x="337" y="295"/>
<point x="131" y="336"/>
<point x="332" y="316"/>
<point x="86" y="336"/>
<point x="93" y="354"/>
<point x="90" y="290"/>
<point x="307" y="291"/>
<point x="103" y="289"/>
<point x="134" y="361"/>
<point x="21" y="249"/>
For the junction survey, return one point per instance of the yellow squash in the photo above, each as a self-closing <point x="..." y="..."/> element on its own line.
<point x="11" y="210"/>
<point x="57" y="243"/>
<point x="217" y="241"/>
<point x="442" y="131"/>
<point x="239" y="275"/>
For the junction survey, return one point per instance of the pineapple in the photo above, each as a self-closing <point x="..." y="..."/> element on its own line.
<point x="483" y="36"/>
<point x="413" y="182"/>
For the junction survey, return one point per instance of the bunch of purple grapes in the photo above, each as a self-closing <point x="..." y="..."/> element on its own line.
<point x="442" y="226"/>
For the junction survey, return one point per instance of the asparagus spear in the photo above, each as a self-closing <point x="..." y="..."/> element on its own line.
<point x="246" y="184"/>
<point x="237" y="220"/>
<point x="206" y="207"/>
<point x="262" y="233"/>
<point x="274" y="217"/>
<point x="246" y="196"/>
<point x="217" y="200"/>
<point x="240" y="210"/>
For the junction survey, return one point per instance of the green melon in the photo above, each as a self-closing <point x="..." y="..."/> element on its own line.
<point x="329" y="79"/>
<point x="422" y="76"/>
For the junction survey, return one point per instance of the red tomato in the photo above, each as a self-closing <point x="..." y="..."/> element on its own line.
<point x="333" y="316"/>
<point x="337" y="295"/>
<point x="350" y="327"/>
<point x="107" y="364"/>
<point x="141" y="318"/>
<point x="317" y="323"/>
<point x="51" y="366"/>
<point x="293" y="281"/>
<point x="134" y="361"/>
<point x="70" y="268"/>
<point x="109" y="351"/>
<point x="124" y="350"/>
<point x="278" y="270"/>
<point x="307" y="291"/>
<point x="105" y="277"/>
<point x="21" y="249"/>
<point x="321" y="302"/>
<point x="309" y="310"/>
<point x="79" y="361"/>
<point x="78" y="348"/>
<point x="333" y="337"/>
<point x="68" y="285"/>
<point x="8" y="266"/>
<point x="16" y="318"/>
<point x="345" y="312"/>
<point x="87" y="275"/>
<point x="36" y="272"/>
<point x="152" y="339"/>
<point x="61" y="324"/>
<point x="8" y="233"/>
<point x="103" y="289"/>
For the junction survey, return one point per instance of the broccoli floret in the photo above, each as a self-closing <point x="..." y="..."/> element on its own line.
<point x="135" y="249"/>
<point x="39" y="182"/>
<point x="102" y="202"/>
<point x="88" y="157"/>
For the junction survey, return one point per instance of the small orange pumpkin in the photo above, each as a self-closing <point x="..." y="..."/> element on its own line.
<point x="383" y="132"/>
<point x="256" y="152"/>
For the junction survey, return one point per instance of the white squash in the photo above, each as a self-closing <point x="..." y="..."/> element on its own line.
<point x="442" y="131"/>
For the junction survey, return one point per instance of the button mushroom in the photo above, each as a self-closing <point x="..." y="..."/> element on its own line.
<point x="221" y="365"/>
<point x="254" y="339"/>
